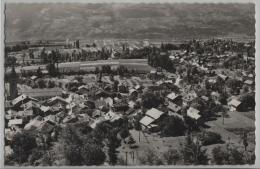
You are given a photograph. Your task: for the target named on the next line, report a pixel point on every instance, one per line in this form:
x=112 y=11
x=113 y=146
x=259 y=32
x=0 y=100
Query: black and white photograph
x=129 y=84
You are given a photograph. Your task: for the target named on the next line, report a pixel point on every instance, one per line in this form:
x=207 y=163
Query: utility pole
x=139 y=135
x=126 y=157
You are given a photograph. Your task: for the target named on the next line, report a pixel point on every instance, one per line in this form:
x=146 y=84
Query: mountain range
x=59 y=21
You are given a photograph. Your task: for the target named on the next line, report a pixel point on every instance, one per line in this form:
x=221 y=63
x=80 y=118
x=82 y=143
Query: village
x=138 y=103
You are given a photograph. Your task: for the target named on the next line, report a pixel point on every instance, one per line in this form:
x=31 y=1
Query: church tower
x=13 y=84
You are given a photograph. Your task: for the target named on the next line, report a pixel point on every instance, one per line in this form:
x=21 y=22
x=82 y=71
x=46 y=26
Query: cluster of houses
x=42 y=110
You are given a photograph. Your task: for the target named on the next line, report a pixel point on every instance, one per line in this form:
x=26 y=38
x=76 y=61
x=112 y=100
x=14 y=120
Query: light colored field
x=151 y=141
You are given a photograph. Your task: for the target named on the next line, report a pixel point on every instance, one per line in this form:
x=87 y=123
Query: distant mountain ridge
x=135 y=21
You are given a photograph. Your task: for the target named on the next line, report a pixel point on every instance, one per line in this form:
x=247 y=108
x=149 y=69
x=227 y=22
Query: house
x=34 y=123
x=15 y=122
x=94 y=123
x=83 y=89
x=51 y=118
x=8 y=105
x=212 y=81
x=174 y=98
x=71 y=106
x=193 y=113
x=234 y=105
x=90 y=104
x=169 y=81
x=42 y=94
x=250 y=76
x=188 y=98
x=70 y=119
x=173 y=108
x=45 y=109
x=146 y=121
x=205 y=98
x=112 y=117
x=83 y=117
x=30 y=105
x=138 y=87
x=120 y=106
x=46 y=127
x=9 y=134
x=97 y=114
x=133 y=93
x=11 y=113
x=109 y=101
x=102 y=93
x=129 y=111
x=215 y=96
x=248 y=82
x=20 y=100
x=131 y=104
x=34 y=77
x=57 y=100
x=25 y=113
x=223 y=77
x=160 y=82
x=8 y=151
x=151 y=116
x=122 y=88
x=153 y=72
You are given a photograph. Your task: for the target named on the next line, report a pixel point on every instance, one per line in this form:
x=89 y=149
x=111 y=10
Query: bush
x=150 y=158
x=219 y=156
x=231 y=155
x=208 y=138
x=171 y=156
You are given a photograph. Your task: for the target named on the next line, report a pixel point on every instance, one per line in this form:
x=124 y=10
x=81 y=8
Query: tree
x=230 y=155
x=223 y=99
x=41 y=83
x=193 y=153
x=115 y=86
x=23 y=56
x=10 y=61
x=234 y=85
x=171 y=156
x=92 y=154
x=248 y=101
x=51 y=69
x=22 y=145
x=150 y=100
x=244 y=139
x=51 y=84
x=113 y=143
x=79 y=149
x=73 y=154
x=39 y=72
x=173 y=126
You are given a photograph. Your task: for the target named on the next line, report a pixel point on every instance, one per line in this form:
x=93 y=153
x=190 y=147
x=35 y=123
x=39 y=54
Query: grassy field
x=233 y=128
x=230 y=131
